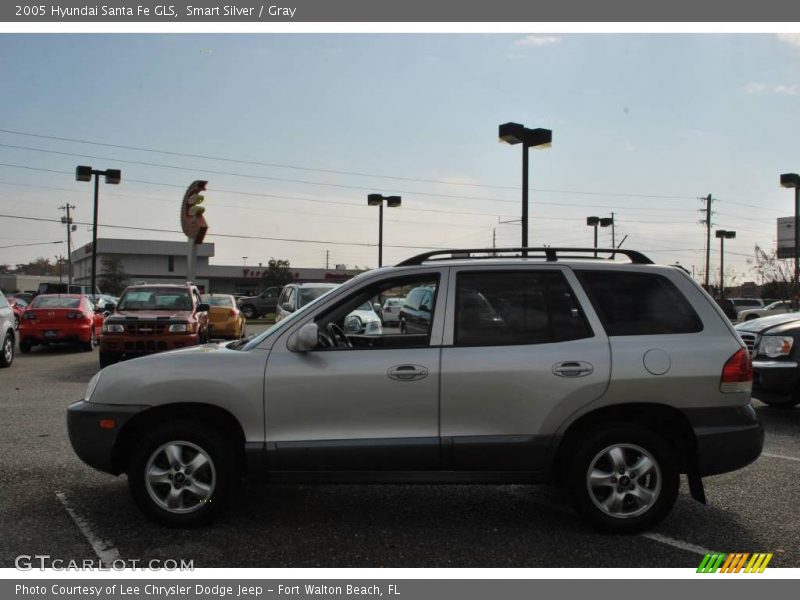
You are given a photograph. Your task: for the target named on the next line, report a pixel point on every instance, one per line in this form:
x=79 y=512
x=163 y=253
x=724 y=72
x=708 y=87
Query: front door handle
x=572 y=368
x=407 y=373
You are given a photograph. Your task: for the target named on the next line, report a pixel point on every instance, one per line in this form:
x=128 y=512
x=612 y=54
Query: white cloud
x=790 y=38
x=787 y=90
x=755 y=88
x=537 y=40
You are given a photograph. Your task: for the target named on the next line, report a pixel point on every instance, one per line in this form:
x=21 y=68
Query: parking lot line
x=782 y=456
x=104 y=550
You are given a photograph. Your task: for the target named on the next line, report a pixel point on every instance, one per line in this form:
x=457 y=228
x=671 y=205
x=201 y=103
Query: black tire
x=664 y=480
x=249 y=311
x=7 y=351
x=223 y=472
x=108 y=358
x=25 y=346
x=89 y=346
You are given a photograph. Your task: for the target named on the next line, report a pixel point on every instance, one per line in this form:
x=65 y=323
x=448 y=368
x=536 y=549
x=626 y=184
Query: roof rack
x=549 y=254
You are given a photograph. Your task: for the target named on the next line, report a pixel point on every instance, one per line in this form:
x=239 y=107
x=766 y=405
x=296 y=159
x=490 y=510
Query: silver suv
x=611 y=378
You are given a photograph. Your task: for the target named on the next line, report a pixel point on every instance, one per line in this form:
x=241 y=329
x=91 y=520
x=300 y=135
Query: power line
x=37 y=244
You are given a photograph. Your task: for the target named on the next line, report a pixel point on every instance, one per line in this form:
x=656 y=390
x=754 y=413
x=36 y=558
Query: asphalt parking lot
x=53 y=504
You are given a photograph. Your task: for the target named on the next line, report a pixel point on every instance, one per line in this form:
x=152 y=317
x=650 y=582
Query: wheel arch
x=208 y=414
x=666 y=420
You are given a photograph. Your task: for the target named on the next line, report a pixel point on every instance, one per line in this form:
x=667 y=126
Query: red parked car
x=59 y=318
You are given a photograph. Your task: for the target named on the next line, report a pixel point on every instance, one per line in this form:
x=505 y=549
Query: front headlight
x=774 y=346
x=91 y=387
x=179 y=328
x=113 y=328
x=374 y=327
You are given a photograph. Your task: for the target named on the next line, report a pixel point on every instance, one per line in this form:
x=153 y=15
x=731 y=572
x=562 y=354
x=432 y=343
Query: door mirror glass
x=352 y=324
x=377 y=307
x=304 y=340
x=287 y=306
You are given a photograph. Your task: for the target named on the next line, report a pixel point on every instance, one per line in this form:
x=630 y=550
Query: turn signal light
x=737 y=374
x=107 y=423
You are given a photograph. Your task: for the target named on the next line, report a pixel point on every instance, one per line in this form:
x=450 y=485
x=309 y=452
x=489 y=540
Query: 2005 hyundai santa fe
x=610 y=377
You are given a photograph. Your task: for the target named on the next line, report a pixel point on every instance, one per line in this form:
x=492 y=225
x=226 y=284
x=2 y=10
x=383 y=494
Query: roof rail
x=549 y=254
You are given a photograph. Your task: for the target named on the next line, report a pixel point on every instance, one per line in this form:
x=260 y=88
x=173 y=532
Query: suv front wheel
x=624 y=479
x=182 y=474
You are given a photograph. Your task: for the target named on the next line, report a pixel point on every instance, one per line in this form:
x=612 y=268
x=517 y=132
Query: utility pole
x=327 y=259
x=68 y=222
x=613 y=231
x=707 y=224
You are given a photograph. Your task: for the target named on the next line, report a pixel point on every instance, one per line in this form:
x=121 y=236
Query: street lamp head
x=113 y=176
x=606 y=221
x=728 y=235
x=515 y=133
x=393 y=201
x=83 y=173
x=790 y=180
x=374 y=199
x=592 y=221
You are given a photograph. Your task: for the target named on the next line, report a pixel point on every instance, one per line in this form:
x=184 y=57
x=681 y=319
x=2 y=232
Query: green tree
x=40 y=266
x=776 y=274
x=113 y=279
x=277 y=273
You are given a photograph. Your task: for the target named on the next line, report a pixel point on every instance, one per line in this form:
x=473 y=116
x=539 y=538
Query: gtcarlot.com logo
x=41 y=562
x=739 y=562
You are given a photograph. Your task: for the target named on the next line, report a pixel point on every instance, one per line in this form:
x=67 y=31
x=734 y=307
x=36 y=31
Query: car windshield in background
x=55 y=302
x=309 y=294
x=155 y=299
x=226 y=301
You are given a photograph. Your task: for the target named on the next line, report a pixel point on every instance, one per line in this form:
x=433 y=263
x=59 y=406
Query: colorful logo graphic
x=719 y=562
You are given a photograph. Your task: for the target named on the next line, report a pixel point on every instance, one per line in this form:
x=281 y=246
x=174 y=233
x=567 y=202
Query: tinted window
x=218 y=300
x=520 y=307
x=55 y=302
x=631 y=303
x=412 y=301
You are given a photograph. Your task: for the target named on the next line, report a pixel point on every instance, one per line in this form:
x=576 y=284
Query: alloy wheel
x=180 y=477
x=624 y=480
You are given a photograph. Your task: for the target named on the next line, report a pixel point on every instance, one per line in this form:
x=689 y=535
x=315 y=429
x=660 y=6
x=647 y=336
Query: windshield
x=55 y=302
x=155 y=299
x=308 y=294
x=218 y=300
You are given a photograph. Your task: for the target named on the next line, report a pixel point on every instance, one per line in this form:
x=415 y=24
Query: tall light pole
x=113 y=176
x=609 y=222
x=70 y=228
x=594 y=222
x=792 y=180
x=377 y=200
x=514 y=133
x=723 y=235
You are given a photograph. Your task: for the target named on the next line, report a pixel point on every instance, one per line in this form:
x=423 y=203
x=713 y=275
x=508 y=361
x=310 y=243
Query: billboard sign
x=785 y=237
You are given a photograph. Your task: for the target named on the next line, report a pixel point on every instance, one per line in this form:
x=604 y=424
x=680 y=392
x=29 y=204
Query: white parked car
x=776 y=308
x=391 y=310
x=363 y=320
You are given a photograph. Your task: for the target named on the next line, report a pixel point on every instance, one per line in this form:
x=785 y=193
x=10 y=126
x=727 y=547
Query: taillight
x=77 y=315
x=737 y=374
x=232 y=313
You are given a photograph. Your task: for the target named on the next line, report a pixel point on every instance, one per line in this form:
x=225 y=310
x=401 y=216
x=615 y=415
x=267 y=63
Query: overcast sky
x=642 y=125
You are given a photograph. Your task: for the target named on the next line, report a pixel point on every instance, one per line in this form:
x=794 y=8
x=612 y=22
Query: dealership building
x=158 y=261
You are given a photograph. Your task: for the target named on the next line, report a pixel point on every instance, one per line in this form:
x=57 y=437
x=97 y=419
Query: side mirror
x=203 y=307
x=304 y=340
x=352 y=324
x=110 y=307
x=287 y=306
x=377 y=307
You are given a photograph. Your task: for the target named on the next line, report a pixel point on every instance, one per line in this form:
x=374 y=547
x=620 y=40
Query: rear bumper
x=93 y=444
x=37 y=334
x=774 y=380
x=728 y=438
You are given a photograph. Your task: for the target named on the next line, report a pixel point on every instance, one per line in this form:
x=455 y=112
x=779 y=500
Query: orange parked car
x=224 y=317
x=59 y=318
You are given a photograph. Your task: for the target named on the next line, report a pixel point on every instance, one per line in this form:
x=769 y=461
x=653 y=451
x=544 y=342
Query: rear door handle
x=572 y=368
x=407 y=372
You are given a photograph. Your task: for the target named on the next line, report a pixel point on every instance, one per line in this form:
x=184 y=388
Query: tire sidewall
x=7 y=340
x=587 y=449
x=213 y=443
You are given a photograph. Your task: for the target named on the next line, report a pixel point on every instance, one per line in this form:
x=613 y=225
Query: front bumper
x=775 y=380
x=120 y=343
x=93 y=444
x=728 y=438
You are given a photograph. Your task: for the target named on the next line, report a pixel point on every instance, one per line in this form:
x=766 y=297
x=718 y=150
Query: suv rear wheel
x=623 y=479
x=182 y=474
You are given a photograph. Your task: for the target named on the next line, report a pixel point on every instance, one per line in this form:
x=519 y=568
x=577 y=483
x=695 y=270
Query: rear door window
x=516 y=307
x=635 y=303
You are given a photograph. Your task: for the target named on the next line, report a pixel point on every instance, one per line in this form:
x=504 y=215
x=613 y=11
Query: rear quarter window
x=635 y=303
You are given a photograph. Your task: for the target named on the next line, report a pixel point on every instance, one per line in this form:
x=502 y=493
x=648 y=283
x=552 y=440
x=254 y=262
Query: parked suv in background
x=7 y=337
x=153 y=318
x=774 y=344
x=261 y=304
x=610 y=378
x=415 y=314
